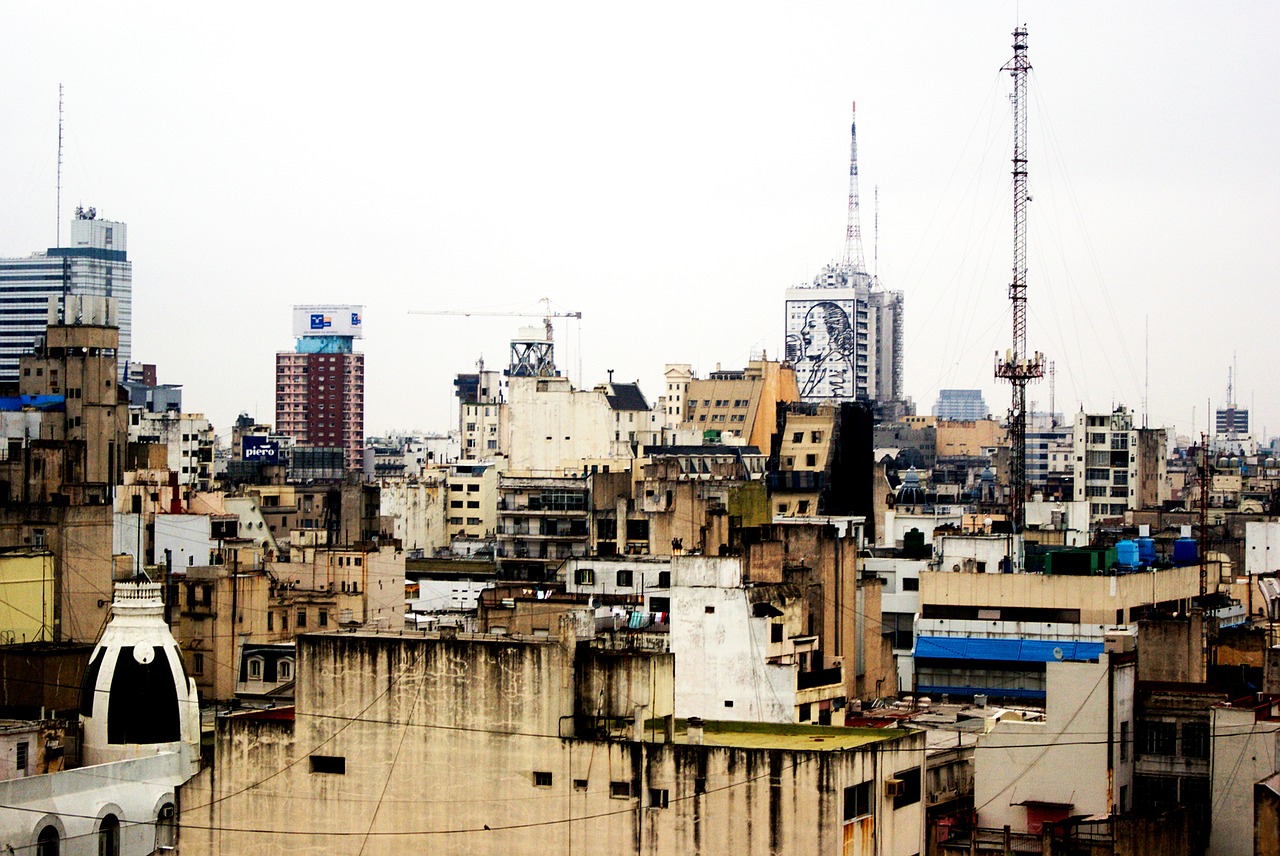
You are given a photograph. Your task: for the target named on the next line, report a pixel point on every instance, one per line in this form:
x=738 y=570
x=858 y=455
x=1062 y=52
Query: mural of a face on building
x=823 y=352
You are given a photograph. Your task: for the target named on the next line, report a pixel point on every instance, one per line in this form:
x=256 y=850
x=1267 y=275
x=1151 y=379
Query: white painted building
x=1245 y=745
x=188 y=539
x=899 y=608
x=141 y=727
x=552 y=428
x=721 y=648
x=189 y=438
x=1261 y=547
x=1020 y=768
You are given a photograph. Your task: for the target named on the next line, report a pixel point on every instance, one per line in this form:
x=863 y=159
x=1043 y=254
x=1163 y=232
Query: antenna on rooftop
x=853 y=260
x=57 y=242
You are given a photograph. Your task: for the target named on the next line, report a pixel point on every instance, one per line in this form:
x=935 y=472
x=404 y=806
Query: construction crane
x=528 y=358
x=546 y=315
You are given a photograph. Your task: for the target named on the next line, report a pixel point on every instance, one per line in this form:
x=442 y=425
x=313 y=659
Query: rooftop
x=765 y=735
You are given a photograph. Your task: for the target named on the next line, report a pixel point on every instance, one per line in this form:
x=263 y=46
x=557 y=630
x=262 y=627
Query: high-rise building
x=844 y=332
x=960 y=405
x=320 y=384
x=844 y=337
x=94 y=264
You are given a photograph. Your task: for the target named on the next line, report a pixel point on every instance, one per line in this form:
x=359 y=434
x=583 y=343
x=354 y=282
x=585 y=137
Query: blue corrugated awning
x=1017 y=650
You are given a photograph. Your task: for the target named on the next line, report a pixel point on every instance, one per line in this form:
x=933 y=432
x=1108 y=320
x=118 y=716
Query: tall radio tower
x=853 y=261
x=1019 y=367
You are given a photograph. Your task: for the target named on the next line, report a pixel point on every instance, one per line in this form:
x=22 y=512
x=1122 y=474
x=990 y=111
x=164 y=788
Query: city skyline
x=486 y=163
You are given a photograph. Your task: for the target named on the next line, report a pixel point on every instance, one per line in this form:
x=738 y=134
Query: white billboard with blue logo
x=328 y=321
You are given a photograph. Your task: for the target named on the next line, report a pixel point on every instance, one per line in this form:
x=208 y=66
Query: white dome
x=136 y=699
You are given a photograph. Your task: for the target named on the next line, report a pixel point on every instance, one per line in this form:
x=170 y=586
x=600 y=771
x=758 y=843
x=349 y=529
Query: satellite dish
x=1057 y=653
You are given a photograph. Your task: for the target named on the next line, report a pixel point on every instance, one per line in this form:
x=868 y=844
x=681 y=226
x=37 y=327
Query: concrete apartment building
x=94 y=263
x=1118 y=467
x=844 y=337
x=320 y=384
x=983 y=632
x=739 y=404
x=589 y=759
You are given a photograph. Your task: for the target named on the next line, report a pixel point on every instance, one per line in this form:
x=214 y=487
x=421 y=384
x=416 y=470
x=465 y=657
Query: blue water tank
x=1127 y=553
x=1146 y=552
x=1185 y=552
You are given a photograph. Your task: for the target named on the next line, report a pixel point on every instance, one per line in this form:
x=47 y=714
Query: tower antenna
x=853 y=260
x=57 y=242
x=1053 y=410
x=1019 y=367
x=875 y=240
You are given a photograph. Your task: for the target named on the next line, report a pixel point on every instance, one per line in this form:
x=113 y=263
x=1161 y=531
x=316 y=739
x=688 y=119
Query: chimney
x=693 y=730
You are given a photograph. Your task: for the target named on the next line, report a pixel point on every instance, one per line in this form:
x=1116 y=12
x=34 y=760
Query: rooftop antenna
x=1053 y=409
x=853 y=261
x=875 y=242
x=1146 y=368
x=1019 y=367
x=58 y=207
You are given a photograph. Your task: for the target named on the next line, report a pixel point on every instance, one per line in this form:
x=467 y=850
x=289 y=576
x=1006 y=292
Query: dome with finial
x=910 y=492
x=136 y=699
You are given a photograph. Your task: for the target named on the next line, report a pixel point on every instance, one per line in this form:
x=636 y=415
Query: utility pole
x=1019 y=367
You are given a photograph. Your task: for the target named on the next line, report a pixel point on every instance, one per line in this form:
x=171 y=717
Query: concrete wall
x=1097 y=598
x=187 y=537
x=27 y=597
x=1261 y=547
x=552 y=427
x=1019 y=762
x=1244 y=741
x=441 y=740
x=720 y=648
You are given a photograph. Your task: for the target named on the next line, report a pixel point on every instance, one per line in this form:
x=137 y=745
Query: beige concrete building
x=507 y=746
x=969 y=439
x=740 y=403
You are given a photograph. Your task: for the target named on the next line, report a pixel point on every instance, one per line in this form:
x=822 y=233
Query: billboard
x=328 y=321
x=260 y=450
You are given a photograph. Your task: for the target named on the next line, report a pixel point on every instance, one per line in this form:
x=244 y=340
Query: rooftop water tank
x=1185 y=552
x=1127 y=553
x=1146 y=552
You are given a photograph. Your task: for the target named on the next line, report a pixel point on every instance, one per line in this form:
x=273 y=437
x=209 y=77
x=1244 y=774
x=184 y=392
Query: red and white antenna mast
x=1019 y=367
x=853 y=261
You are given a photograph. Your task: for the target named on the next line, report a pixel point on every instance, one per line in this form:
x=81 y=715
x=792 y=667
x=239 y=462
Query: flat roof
x=765 y=735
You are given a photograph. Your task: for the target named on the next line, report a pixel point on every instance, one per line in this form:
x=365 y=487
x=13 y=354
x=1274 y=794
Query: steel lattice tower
x=1019 y=367
x=853 y=260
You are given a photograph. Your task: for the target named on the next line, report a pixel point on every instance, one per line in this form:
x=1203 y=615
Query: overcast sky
x=667 y=169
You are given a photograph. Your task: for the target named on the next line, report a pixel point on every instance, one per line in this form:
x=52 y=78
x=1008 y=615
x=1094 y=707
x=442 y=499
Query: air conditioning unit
x=894 y=787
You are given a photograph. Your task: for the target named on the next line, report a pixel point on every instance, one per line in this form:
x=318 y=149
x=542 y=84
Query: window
x=857 y=801
x=541 y=779
x=284 y=620
x=1159 y=738
x=1195 y=740
x=805 y=713
x=810 y=460
x=47 y=843
x=579 y=784
x=775 y=632
x=664 y=579
x=323 y=619
x=797 y=437
x=1124 y=740
x=657 y=797
x=815 y=436
x=659 y=604
x=620 y=790
x=166 y=828
x=911 y=584
x=302 y=618
x=624 y=579
x=22 y=756
x=109 y=836
x=285 y=670
x=710 y=610
x=910 y=788
x=728 y=702
x=586 y=577
x=197 y=663
x=336 y=764
x=255 y=669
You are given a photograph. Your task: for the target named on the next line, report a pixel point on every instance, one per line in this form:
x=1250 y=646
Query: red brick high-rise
x=320 y=384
